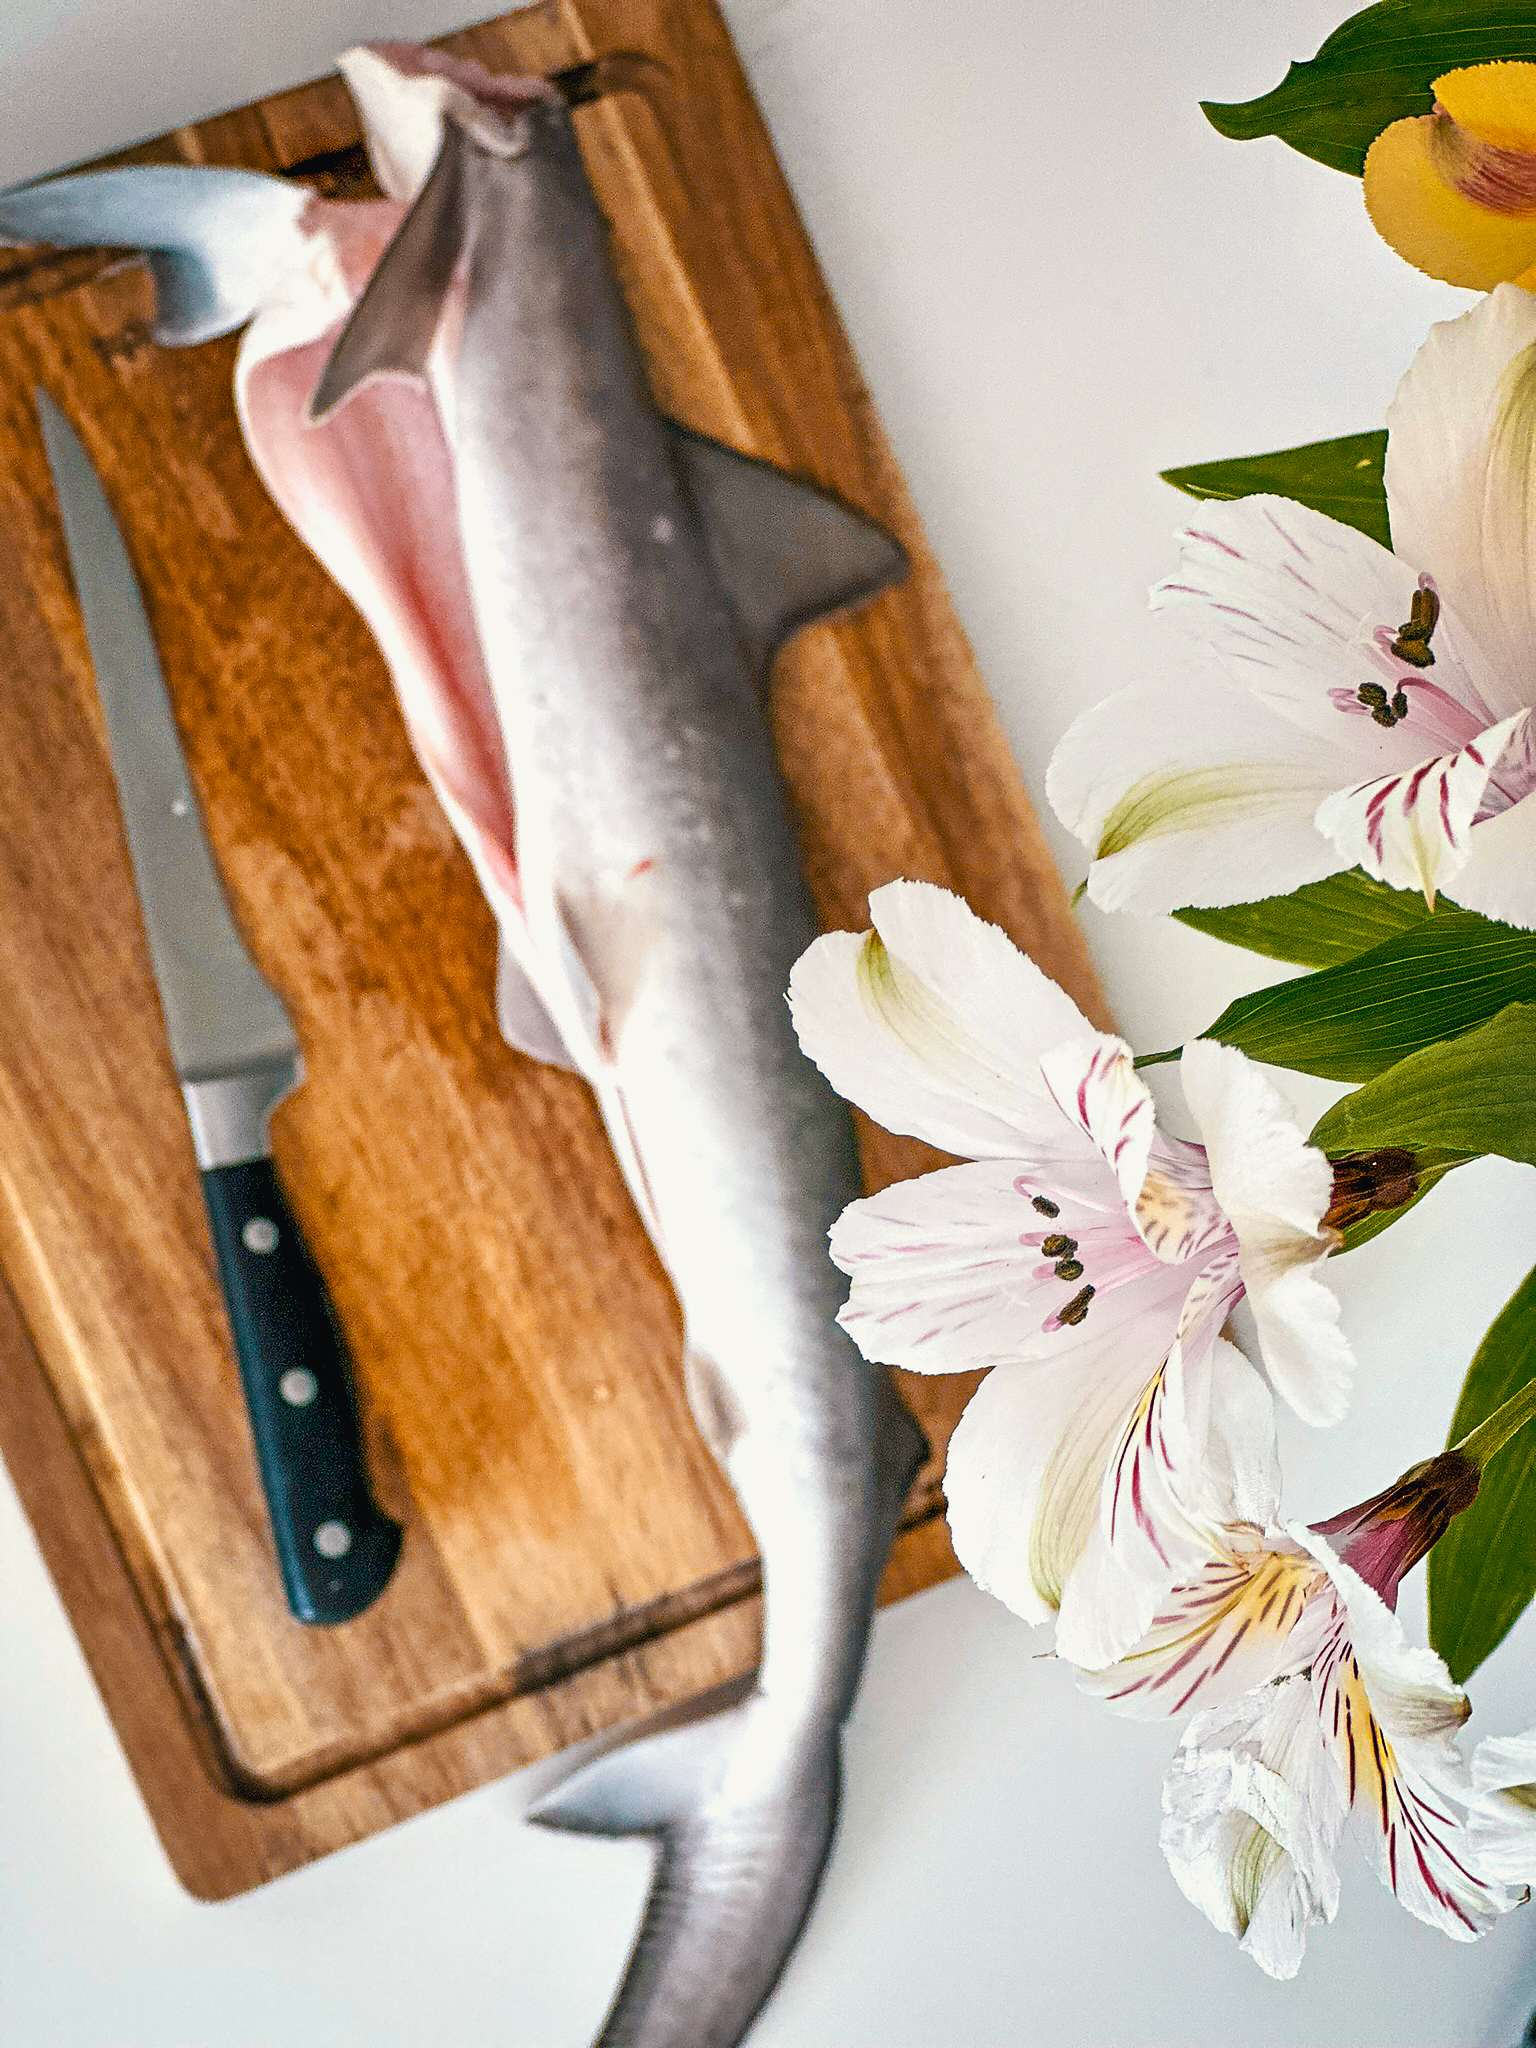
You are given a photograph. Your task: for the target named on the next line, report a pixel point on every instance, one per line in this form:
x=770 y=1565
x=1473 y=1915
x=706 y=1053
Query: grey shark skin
x=631 y=583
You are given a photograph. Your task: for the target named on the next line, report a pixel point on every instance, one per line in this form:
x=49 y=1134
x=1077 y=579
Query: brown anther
x=1058 y=1247
x=1374 y=698
x=1371 y=1184
x=1413 y=637
x=1077 y=1307
x=1069 y=1269
x=1045 y=1205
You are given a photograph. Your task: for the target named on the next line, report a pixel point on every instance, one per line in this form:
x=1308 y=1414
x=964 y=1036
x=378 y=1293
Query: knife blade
x=236 y=1056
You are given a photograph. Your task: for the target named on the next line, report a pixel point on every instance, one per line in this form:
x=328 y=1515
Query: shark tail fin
x=391 y=329
x=217 y=240
x=743 y=1806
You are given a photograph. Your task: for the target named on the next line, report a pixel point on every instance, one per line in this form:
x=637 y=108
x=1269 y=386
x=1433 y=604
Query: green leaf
x=1482 y=1572
x=1434 y=981
x=1342 y=478
x=1378 y=68
x=1448 y=1104
x=1318 y=925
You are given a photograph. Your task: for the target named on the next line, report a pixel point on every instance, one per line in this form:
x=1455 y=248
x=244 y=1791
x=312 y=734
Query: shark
x=580 y=602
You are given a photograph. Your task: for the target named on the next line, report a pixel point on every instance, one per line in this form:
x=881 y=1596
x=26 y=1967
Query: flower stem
x=1492 y=1435
x=1157 y=1059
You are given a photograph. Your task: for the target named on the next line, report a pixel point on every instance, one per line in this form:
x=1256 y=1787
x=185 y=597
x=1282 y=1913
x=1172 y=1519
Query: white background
x=1059 y=279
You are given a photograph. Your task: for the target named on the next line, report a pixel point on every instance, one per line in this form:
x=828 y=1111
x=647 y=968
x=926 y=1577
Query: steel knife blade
x=236 y=1056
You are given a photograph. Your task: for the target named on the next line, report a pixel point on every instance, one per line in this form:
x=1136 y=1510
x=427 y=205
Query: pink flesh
x=371 y=493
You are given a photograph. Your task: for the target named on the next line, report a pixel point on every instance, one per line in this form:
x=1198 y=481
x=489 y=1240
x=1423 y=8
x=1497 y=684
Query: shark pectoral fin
x=391 y=329
x=525 y=1023
x=645 y=1787
x=786 y=552
x=217 y=240
x=713 y=1404
x=900 y=1448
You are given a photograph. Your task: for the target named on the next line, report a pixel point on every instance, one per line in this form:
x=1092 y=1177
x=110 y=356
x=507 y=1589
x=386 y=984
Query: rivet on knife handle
x=335 y=1547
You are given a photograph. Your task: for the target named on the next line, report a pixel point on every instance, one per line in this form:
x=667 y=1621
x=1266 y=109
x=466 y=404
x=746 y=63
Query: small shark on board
x=580 y=602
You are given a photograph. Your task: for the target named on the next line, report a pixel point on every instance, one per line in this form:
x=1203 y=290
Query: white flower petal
x=1303 y=610
x=1252 y=1811
x=1459 y=481
x=1192 y=794
x=1240 y=1596
x=1160 y=1514
x=1096 y=1087
x=1390 y=1714
x=950 y=1272
x=1026 y=1471
x=1239 y=1462
x=1164 y=1183
x=1504 y=1815
x=1505 y=1762
x=1274 y=1188
x=934 y=1023
x=1499 y=878
x=1412 y=828
x=1234 y=1625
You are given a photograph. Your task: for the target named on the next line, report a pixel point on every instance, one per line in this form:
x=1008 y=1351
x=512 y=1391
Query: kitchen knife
x=236 y=1056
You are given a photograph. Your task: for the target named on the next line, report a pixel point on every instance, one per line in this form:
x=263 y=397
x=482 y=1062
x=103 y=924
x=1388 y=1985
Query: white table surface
x=1058 y=279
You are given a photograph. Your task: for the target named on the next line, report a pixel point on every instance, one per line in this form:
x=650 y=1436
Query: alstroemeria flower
x=1454 y=190
x=1317 y=1711
x=1335 y=703
x=1085 y=1256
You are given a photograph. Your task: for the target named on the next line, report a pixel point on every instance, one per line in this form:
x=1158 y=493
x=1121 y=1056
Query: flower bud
x=1369 y=1184
x=1384 y=1538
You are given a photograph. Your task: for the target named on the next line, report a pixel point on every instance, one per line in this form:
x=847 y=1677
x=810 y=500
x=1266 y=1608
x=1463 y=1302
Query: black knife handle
x=334 y=1545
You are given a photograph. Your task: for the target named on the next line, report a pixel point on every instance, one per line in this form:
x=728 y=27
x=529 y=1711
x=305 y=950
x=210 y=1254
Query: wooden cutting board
x=573 y=1557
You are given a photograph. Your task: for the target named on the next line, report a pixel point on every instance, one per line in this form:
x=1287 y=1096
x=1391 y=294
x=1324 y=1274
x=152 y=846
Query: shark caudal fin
x=742 y=1807
x=216 y=240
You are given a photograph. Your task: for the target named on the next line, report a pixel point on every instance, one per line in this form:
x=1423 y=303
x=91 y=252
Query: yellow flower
x=1454 y=191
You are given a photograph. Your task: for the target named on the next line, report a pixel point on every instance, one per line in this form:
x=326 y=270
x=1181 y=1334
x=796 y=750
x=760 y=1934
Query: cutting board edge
x=220 y=1844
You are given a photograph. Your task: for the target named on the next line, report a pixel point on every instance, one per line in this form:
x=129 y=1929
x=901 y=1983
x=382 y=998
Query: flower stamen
x=1386 y=711
x=1077 y=1307
x=1045 y=1205
x=1413 y=637
x=1069 y=1269
x=1056 y=1246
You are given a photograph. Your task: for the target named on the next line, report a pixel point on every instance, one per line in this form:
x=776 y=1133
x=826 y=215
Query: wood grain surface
x=573 y=1557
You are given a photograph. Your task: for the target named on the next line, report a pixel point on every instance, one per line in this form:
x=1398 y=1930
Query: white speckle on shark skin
x=662 y=529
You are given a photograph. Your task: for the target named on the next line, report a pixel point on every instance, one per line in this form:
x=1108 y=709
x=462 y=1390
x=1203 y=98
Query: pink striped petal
x=1412 y=829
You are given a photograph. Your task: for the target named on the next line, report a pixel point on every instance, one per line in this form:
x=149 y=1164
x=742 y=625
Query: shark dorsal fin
x=786 y=552
x=391 y=329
